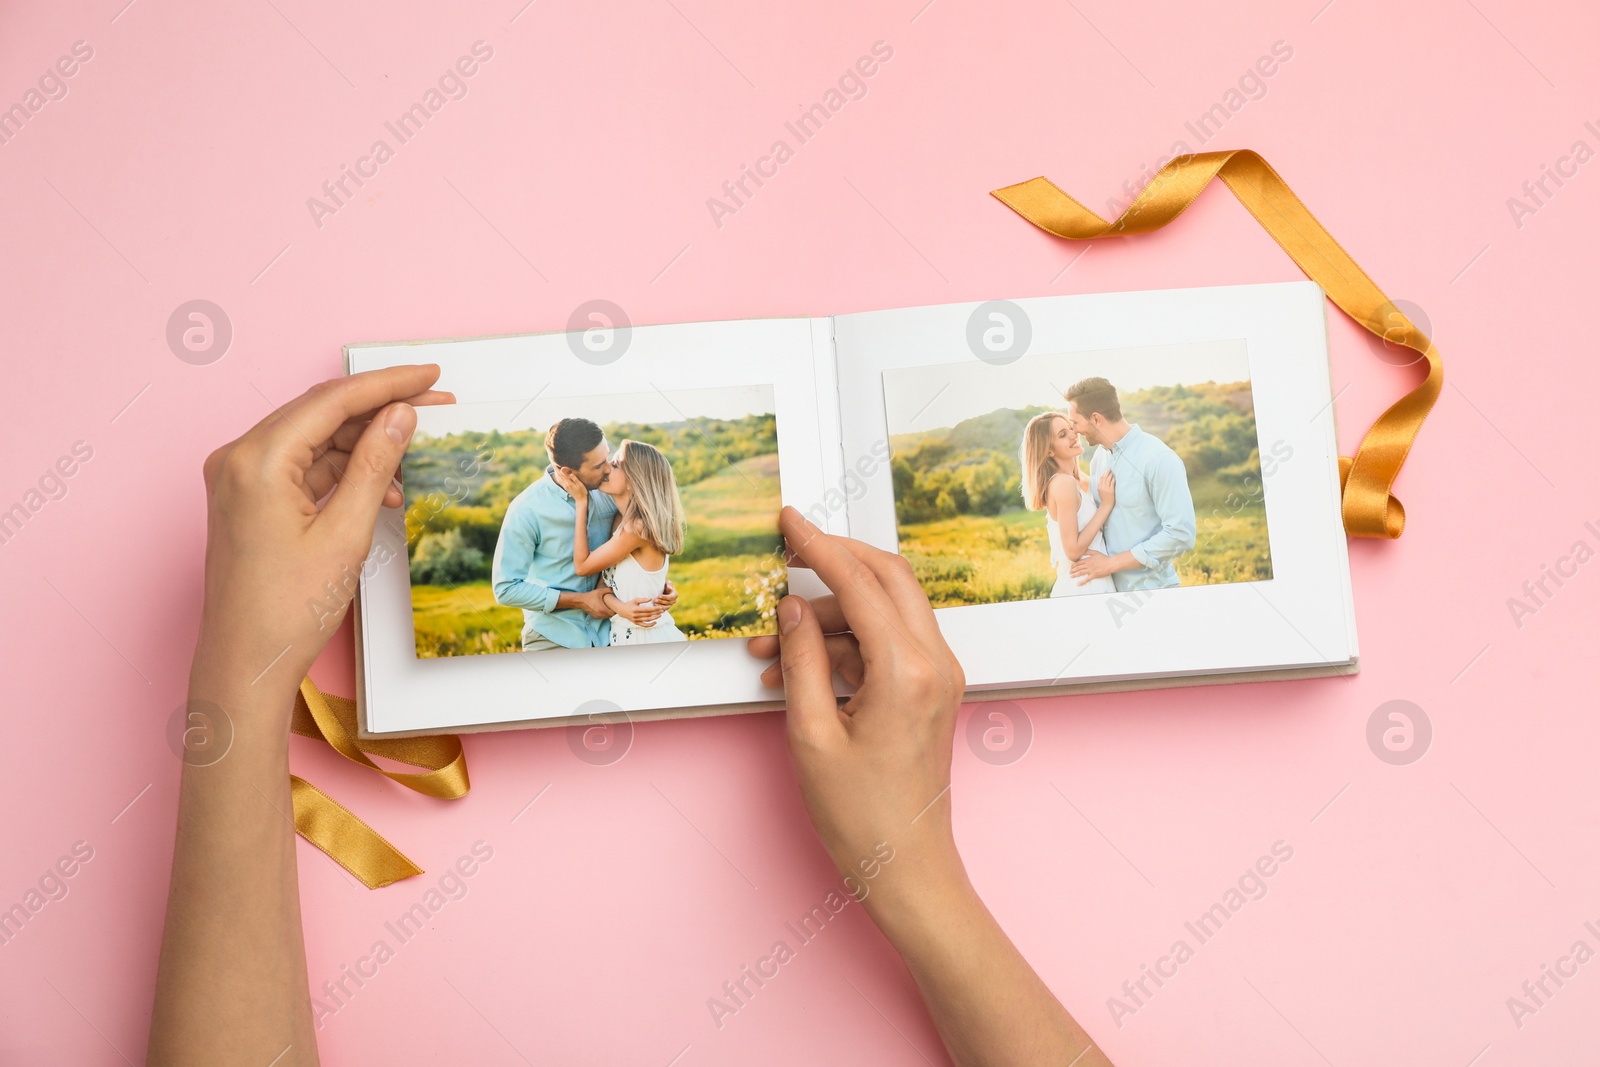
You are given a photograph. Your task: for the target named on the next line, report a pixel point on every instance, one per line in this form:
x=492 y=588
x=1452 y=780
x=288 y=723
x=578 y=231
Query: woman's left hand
x=280 y=569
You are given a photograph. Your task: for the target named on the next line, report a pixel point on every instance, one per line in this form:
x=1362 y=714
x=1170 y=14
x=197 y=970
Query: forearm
x=1164 y=547
x=231 y=986
x=1122 y=561
x=528 y=594
x=1097 y=522
x=573 y=600
x=1085 y=537
x=989 y=1006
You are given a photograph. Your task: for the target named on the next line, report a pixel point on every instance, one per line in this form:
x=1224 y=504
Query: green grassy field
x=1000 y=558
x=729 y=575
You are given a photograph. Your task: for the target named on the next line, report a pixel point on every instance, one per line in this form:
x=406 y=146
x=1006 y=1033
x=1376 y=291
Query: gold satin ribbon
x=329 y=825
x=1369 y=505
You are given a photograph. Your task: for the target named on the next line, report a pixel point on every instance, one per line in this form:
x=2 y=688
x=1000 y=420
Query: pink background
x=1419 y=898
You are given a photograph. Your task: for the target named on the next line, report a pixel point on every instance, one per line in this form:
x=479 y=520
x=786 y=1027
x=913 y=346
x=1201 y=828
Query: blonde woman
x=646 y=533
x=1052 y=482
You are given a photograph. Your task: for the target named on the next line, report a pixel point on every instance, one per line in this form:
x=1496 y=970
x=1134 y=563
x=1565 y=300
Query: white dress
x=630 y=581
x=1066 y=584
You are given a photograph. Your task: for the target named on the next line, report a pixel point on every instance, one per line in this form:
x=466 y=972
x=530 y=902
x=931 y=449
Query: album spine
x=830 y=415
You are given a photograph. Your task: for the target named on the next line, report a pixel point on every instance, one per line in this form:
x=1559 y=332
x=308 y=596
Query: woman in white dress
x=1053 y=482
x=647 y=531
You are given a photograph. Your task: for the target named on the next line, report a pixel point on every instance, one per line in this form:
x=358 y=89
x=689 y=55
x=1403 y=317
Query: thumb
x=807 y=673
x=371 y=469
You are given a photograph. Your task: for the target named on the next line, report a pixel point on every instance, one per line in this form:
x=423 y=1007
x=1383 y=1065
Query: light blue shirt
x=533 y=563
x=1153 y=515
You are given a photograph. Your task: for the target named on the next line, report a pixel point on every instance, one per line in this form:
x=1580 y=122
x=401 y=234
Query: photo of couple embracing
x=624 y=503
x=594 y=522
x=1120 y=525
x=1056 y=476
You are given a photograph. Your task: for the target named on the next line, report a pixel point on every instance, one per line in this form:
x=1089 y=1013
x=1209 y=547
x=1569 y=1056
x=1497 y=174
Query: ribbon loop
x=332 y=827
x=1367 y=478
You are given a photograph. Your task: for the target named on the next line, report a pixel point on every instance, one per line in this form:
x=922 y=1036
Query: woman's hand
x=875 y=776
x=290 y=509
x=1108 y=489
x=875 y=772
x=568 y=480
x=642 y=612
x=283 y=556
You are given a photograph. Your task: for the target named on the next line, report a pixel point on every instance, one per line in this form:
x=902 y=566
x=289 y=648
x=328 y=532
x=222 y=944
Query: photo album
x=1108 y=491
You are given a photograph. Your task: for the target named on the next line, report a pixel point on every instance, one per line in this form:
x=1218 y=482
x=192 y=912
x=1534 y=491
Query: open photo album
x=1118 y=490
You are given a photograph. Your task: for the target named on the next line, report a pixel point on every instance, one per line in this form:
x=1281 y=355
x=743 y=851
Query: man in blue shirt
x=1152 y=520
x=533 y=559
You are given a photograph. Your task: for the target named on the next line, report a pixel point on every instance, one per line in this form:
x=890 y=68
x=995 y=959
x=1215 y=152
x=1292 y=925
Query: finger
x=866 y=607
x=430 y=398
x=894 y=573
x=324 y=473
x=813 y=714
x=828 y=615
x=369 y=476
x=844 y=659
x=346 y=436
x=844 y=654
x=312 y=417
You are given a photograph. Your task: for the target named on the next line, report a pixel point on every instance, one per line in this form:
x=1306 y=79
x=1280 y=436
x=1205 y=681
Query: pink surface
x=1419 y=897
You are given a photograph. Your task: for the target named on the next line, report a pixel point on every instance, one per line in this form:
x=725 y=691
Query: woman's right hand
x=874 y=772
x=1108 y=489
x=875 y=776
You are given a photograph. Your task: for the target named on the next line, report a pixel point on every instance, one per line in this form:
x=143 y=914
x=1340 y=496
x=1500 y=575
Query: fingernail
x=398 y=424
x=789 y=612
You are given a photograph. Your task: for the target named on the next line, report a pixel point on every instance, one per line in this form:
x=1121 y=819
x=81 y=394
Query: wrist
x=228 y=726
x=916 y=897
x=250 y=681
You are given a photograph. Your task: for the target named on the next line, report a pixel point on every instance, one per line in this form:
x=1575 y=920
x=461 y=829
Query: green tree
x=447 y=559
